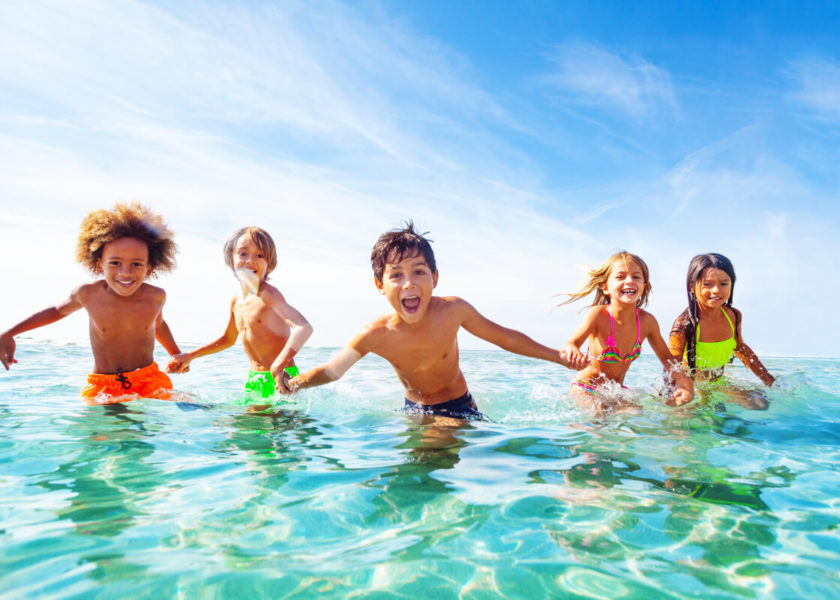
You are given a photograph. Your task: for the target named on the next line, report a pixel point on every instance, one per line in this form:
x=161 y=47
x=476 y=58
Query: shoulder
x=647 y=320
x=153 y=292
x=270 y=293
x=368 y=337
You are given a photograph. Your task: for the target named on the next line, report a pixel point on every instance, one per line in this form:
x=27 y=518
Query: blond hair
x=126 y=220
x=596 y=278
x=263 y=241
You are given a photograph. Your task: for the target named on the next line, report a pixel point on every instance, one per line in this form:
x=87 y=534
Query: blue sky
x=529 y=138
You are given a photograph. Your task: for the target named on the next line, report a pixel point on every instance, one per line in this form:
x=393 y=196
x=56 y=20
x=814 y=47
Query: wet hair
x=687 y=322
x=262 y=240
x=393 y=245
x=595 y=278
x=126 y=220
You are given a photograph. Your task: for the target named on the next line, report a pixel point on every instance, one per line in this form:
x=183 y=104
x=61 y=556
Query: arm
x=39 y=319
x=747 y=356
x=330 y=371
x=683 y=386
x=300 y=330
x=180 y=363
x=586 y=328
x=752 y=362
x=676 y=341
x=515 y=341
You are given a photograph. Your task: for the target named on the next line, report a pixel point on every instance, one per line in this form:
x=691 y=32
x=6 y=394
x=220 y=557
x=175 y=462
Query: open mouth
x=411 y=304
x=628 y=292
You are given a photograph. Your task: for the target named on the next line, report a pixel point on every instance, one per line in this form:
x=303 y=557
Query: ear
x=148 y=272
x=434 y=280
x=603 y=288
x=378 y=283
x=97 y=268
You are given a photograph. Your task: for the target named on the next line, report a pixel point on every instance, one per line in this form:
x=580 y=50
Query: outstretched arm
x=329 y=371
x=180 y=362
x=515 y=341
x=683 y=386
x=39 y=319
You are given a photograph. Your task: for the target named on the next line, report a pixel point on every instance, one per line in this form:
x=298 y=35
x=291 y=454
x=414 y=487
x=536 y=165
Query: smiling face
x=626 y=282
x=713 y=288
x=408 y=286
x=125 y=265
x=249 y=263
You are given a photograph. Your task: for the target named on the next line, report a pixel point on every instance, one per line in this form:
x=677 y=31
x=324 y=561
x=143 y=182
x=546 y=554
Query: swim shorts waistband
x=109 y=388
x=463 y=407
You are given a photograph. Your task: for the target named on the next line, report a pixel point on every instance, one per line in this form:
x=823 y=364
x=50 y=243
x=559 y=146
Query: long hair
x=688 y=321
x=595 y=278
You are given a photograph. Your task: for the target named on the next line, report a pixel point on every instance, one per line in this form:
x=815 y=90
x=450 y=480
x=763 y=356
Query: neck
x=618 y=309
x=708 y=312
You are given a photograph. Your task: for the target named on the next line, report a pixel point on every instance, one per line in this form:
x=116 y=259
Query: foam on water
x=338 y=494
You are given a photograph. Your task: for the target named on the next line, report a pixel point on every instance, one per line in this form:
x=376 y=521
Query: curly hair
x=125 y=220
x=263 y=241
x=599 y=276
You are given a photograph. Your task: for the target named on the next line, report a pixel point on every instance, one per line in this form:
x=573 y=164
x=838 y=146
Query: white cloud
x=592 y=75
x=818 y=82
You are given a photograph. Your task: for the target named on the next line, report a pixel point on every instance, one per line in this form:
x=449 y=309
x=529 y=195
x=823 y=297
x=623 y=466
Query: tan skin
x=125 y=313
x=272 y=330
x=624 y=286
x=419 y=337
x=712 y=290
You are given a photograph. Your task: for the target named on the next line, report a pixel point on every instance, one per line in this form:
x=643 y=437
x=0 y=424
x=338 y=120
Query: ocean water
x=337 y=494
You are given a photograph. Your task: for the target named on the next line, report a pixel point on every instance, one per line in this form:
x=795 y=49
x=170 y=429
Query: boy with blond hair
x=272 y=330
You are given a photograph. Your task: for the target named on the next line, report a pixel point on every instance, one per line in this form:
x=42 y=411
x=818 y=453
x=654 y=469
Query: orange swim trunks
x=148 y=382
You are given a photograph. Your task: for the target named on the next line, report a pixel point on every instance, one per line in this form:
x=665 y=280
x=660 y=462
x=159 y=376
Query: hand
x=179 y=363
x=7 y=350
x=682 y=396
x=573 y=358
x=282 y=383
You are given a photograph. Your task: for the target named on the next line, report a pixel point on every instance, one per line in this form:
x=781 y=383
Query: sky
x=530 y=139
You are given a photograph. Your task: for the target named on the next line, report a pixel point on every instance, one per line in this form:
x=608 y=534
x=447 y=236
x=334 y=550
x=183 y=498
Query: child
x=125 y=245
x=419 y=335
x=708 y=349
x=614 y=329
x=272 y=331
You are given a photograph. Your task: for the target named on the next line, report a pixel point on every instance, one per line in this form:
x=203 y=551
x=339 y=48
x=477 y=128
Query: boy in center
x=419 y=335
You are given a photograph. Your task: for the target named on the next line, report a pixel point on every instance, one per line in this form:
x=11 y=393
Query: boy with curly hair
x=125 y=246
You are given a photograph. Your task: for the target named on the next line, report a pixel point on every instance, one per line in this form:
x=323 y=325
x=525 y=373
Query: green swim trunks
x=260 y=384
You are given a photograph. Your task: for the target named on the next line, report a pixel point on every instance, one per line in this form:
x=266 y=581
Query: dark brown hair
x=393 y=245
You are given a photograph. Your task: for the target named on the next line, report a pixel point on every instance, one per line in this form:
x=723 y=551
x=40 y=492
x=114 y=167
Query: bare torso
x=122 y=328
x=424 y=354
x=264 y=333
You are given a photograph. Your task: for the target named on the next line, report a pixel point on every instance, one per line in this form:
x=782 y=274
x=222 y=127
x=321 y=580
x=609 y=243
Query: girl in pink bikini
x=614 y=328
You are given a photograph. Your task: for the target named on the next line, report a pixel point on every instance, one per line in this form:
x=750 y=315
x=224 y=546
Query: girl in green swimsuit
x=708 y=333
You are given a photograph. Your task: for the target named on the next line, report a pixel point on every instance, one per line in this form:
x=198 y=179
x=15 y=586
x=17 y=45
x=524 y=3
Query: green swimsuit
x=260 y=384
x=713 y=356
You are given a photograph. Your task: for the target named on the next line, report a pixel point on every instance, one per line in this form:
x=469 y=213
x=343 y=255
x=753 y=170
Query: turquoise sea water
x=338 y=495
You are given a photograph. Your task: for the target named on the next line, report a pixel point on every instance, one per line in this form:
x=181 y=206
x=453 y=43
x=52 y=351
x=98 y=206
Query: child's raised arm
x=180 y=362
x=683 y=386
x=513 y=340
x=39 y=319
